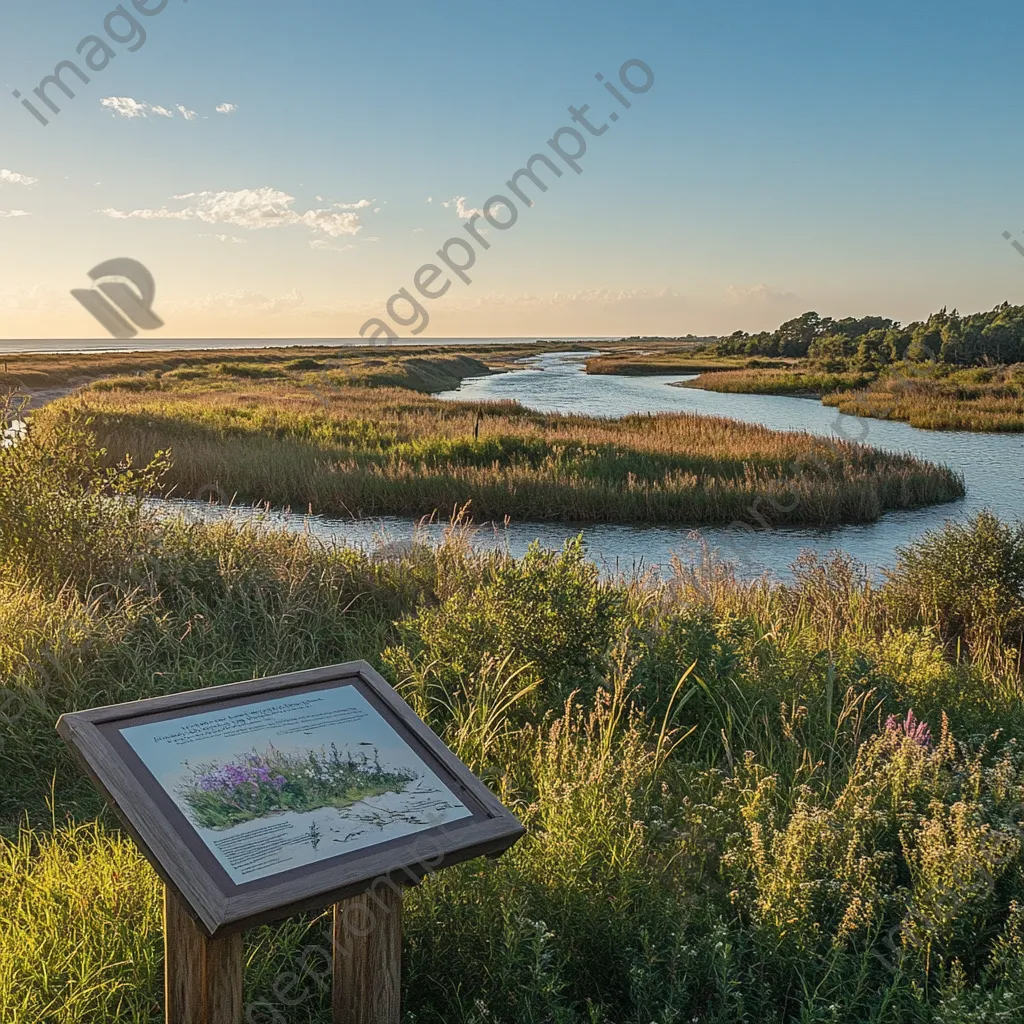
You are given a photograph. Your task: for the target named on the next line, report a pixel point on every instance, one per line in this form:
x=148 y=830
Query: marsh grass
x=930 y=396
x=325 y=442
x=720 y=824
x=802 y=382
x=659 y=361
x=943 y=398
x=405 y=363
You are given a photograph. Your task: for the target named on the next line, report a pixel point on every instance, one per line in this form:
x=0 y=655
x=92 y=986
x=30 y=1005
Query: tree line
x=870 y=342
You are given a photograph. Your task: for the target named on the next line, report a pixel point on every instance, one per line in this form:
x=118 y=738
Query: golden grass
x=317 y=440
x=978 y=399
x=798 y=382
x=22 y=371
x=652 y=362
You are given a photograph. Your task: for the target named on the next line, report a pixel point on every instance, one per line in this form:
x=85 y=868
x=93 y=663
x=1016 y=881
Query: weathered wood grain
x=368 y=957
x=202 y=976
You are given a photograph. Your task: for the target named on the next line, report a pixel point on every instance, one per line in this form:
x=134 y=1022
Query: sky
x=286 y=169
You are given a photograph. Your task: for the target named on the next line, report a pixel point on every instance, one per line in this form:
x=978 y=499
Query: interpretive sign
x=259 y=799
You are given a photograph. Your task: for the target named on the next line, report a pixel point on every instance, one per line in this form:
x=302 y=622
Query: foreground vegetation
x=324 y=440
x=745 y=802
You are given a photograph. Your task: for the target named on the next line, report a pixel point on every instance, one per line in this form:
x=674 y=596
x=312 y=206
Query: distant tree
x=832 y=351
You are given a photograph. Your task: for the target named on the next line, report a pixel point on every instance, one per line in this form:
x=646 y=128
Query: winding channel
x=990 y=463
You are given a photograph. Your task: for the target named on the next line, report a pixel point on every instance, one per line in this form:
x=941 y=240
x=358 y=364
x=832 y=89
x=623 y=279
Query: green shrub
x=967 y=579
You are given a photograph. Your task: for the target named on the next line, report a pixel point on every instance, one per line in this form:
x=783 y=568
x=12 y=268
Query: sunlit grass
x=722 y=825
x=981 y=399
x=327 y=442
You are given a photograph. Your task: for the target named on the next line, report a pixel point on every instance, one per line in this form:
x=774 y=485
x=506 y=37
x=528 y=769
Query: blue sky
x=850 y=158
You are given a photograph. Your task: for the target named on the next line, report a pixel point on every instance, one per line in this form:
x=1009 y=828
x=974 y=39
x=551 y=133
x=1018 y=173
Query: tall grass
x=410 y=366
x=726 y=821
x=660 y=360
x=944 y=398
x=804 y=382
x=321 y=443
x=929 y=396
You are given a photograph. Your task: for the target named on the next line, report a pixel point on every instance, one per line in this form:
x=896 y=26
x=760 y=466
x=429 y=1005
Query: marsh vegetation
x=732 y=813
x=354 y=442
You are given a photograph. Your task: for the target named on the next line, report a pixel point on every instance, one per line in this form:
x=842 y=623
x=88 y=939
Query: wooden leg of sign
x=368 y=957
x=202 y=976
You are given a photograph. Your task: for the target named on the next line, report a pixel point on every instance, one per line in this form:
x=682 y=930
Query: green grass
x=725 y=820
x=354 y=443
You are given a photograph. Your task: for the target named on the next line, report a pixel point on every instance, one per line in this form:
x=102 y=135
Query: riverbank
x=356 y=443
x=927 y=396
x=654 y=363
x=692 y=851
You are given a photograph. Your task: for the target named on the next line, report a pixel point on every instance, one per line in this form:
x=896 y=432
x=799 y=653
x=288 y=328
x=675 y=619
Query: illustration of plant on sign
x=257 y=785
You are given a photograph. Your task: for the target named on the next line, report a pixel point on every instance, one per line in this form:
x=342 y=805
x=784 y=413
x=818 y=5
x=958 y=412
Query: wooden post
x=202 y=976
x=368 y=957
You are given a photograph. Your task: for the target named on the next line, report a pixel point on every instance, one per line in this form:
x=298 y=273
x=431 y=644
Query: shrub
x=967 y=579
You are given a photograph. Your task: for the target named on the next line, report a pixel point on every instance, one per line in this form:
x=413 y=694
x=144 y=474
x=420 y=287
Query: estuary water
x=991 y=465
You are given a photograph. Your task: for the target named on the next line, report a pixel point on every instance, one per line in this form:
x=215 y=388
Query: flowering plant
x=911 y=729
x=254 y=785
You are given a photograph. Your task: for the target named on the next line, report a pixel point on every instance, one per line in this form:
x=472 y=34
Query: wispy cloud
x=253 y=209
x=125 y=106
x=323 y=244
x=189 y=115
x=226 y=108
x=464 y=211
x=226 y=239
x=13 y=178
x=15 y=213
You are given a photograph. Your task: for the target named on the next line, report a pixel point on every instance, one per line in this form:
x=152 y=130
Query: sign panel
x=293 y=780
x=262 y=798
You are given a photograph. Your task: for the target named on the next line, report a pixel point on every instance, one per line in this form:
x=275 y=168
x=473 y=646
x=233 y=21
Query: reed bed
x=929 y=396
x=54 y=371
x=316 y=441
x=803 y=383
x=745 y=802
x=978 y=399
x=654 y=362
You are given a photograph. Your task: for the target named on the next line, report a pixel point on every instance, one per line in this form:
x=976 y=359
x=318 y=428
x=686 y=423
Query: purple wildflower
x=911 y=729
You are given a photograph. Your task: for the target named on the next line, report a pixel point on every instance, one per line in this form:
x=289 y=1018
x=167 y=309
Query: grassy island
x=756 y=802
x=352 y=442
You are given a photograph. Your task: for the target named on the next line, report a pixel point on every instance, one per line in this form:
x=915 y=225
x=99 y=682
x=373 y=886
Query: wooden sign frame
x=180 y=856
